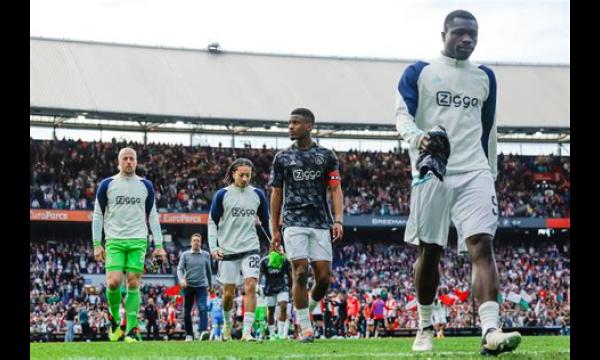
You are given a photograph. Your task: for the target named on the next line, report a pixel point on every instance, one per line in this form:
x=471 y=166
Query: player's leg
x=296 y=240
x=485 y=282
x=188 y=305
x=249 y=307
x=228 y=275
x=282 y=314
x=271 y=302
x=427 y=278
x=201 y=303
x=132 y=306
x=115 y=264
x=136 y=253
x=250 y=266
x=321 y=255
x=428 y=225
x=300 y=296
x=475 y=214
x=228 y=296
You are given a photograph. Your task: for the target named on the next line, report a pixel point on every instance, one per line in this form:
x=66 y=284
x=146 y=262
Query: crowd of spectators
x=536 y=271
x=64 y=175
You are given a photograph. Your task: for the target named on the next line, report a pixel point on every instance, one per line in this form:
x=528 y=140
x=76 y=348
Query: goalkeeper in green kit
x=123 y=204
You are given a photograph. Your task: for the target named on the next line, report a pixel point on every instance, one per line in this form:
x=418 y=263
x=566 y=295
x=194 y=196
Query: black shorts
x=318 y=317
x=391 y=319
x=378 y=322
x=239 y=318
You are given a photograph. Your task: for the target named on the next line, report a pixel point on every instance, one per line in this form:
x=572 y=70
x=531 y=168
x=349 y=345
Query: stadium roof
x=131 y=82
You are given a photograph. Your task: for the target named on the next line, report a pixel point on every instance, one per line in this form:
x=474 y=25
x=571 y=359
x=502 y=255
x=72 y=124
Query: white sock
x=271 y=330
x=280 y=325
x=248 y=320
x=312 y=304
x=227 y=317
x=424 y=315
x=286 y=328
x=304 y=319
x=489 y=313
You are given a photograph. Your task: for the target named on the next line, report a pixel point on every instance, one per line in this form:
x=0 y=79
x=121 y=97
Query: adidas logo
x=293 y=162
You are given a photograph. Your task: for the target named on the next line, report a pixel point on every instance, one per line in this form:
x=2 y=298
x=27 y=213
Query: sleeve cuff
x=97 y=243
x=158 y=245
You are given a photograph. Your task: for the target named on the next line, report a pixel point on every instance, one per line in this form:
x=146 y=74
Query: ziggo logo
x=303 y=175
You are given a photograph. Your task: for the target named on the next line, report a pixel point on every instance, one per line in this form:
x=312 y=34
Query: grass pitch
x=533 y=347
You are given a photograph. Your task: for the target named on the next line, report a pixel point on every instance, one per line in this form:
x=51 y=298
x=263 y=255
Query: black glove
x=435 y=157
x=156 y=264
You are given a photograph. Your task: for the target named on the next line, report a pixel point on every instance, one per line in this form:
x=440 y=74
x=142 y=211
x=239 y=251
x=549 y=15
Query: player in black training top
x=300 y=178
x=276 y=280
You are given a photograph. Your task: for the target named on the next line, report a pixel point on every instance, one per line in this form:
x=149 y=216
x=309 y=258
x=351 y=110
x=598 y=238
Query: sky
x=523 y=31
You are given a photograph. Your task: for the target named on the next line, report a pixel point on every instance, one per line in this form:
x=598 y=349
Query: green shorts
x=126 y=255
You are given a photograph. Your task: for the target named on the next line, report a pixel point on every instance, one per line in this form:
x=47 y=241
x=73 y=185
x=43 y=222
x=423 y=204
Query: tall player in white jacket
x=459 y=95
x=233 y=239
x=123 y=204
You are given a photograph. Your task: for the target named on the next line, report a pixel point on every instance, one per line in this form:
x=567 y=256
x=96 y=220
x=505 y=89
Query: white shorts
x=468 y=200
x=274 y=300
x=307 y=243
x=233 y=271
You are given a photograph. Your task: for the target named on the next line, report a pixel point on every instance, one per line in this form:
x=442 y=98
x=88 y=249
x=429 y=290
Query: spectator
x=151 y=315
x=71 y=313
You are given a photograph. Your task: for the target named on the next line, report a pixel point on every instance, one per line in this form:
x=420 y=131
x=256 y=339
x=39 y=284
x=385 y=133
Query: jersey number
x=253 y=263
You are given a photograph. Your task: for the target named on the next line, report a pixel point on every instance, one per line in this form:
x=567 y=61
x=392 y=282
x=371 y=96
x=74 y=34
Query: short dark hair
x=196 y=234
x=233 y=167
x=463 y=14
x=306 y=113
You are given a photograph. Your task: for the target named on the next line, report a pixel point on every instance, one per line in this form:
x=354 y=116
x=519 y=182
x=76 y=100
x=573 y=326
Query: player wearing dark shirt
x=300 y=177
x=276 y=273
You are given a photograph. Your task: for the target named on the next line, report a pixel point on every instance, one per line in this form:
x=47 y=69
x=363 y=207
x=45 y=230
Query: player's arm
x=153 y=222
x=263 y=211
x=181 y=271
x=407 y=98
x=209 y=273
x=98 y=220
x=276 y=183
x=488 y=119
x=262 y=270
x=337 y=198
x=214 y=217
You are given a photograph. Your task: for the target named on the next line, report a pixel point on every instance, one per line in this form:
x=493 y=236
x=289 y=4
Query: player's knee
x=133 y=284
x=113 y=282
x=431 y=254
x=228 y=292
x=324 y=280
x=250 y=289
x=480 y=248
x=301 y=278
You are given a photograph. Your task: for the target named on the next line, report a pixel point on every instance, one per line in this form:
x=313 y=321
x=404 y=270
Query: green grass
x=537 y=347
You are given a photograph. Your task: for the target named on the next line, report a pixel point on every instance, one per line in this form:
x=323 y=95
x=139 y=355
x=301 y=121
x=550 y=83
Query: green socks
x=114 y=302
x=132 y=308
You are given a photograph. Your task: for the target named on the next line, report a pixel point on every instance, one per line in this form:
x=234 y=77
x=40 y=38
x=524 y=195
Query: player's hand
x=183 y=283
x=425 y=143
x=338 y=232
x=99 y=253
x=217 y=254
x=276 y=242
x=159 y=253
